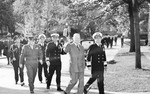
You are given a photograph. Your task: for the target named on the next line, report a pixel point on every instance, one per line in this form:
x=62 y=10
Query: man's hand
x=20 y=65
x=105 y=65
x=48 y=63
x=41 y=62
x=14 y=59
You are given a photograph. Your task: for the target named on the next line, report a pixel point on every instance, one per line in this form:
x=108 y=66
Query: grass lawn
x=123 y=77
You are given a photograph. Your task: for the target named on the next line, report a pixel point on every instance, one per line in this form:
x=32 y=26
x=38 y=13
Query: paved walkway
x=7 y=83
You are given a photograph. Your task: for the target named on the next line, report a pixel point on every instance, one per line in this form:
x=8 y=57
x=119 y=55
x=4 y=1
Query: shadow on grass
x=145 y=69
x=128 y=54
x=5 y=66
x=4 y=90
x=112 y=62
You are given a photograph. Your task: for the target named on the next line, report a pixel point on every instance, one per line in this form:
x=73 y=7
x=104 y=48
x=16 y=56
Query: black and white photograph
x=74 y=46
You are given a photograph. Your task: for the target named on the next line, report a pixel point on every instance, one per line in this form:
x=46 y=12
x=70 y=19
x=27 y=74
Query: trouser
x=111 y=44
x=8 y=59
x=52 y=69
x=75 y=77
x=107 y=44
x=40 y=67
x=31 y=73
x=100 y=81
x=0 y=52
x=16 y=67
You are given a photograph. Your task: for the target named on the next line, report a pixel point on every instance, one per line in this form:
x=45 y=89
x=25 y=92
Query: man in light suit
x=77 y=64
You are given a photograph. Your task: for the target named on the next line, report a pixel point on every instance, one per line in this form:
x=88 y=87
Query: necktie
x=78 y=47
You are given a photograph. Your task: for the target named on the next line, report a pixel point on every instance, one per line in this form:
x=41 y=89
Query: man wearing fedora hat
x=53 y=51
x=96 y=54
x=32 y=54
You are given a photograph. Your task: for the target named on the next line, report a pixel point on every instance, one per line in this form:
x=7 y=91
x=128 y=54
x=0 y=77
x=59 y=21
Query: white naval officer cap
x=41 y=36
x=55 y=35
x=97 y=34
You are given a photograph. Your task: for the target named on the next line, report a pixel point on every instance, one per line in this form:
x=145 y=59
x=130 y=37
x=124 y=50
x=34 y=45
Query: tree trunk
x=137 y=35
x=132 y=39
x=149 y=25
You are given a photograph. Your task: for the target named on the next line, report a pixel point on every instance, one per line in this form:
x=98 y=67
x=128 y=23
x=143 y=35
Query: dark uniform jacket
x=15 y=52
x=43 y=48
x=96 y=54
x=53 y=52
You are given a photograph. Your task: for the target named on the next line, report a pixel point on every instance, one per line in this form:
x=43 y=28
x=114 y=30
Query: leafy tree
x=6 y=16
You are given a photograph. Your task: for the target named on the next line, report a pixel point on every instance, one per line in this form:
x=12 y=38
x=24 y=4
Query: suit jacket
x=96 y=54
x=77 y=58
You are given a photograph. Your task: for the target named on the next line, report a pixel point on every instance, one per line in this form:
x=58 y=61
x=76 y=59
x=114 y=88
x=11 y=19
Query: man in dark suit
x=53 y=60
x=42 y=44
x=96 y=54
x=15 y=51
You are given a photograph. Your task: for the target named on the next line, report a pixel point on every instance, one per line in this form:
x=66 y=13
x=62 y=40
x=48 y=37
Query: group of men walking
x=48 y=56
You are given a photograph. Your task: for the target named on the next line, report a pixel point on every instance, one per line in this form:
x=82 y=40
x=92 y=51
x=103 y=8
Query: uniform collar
x=98 y=44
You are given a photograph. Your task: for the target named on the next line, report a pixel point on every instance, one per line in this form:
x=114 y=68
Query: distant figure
x=122 y=40
x=146 y=42
x=107 y=41
x=7 y=43
x=115 y=39
x=66 y=32
x=1 y=46
x=111 y=42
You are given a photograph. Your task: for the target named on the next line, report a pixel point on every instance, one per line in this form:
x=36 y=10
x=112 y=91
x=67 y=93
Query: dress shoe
x=85 y=91
x=59 y=89
x=47 y=87
x=31 y=92
x=65 y=92
x=22 y=83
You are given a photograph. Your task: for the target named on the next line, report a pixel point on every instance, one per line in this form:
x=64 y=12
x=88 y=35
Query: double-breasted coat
x=53 y=52
x=96 y=54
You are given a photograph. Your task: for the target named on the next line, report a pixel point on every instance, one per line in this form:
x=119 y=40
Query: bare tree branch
x=141 y=2
x=126 y=1
x=148 y=1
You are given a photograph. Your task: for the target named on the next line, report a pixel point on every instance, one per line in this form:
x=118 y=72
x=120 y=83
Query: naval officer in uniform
x=96 y=54
x=53 y=60
x=31 y=54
